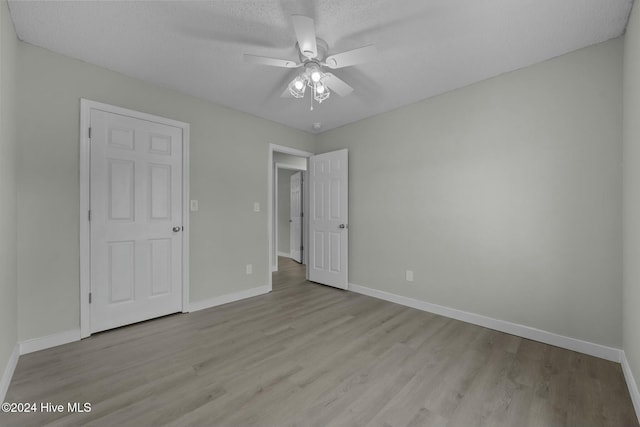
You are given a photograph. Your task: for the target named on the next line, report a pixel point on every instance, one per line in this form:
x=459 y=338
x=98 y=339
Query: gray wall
x=8 y=245
x=229 y=171
x=631 y=295
x=504 y=197
x=284 y=208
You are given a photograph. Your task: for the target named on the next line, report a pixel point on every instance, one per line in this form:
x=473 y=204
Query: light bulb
x=298 y=84
x=315 y=76
x=320 y=88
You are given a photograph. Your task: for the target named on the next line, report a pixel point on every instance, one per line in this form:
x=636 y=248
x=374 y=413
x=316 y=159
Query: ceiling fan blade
x=286 y=93
x=337 y=85
x=351 y=57
x=274 y=62
x=305 y=30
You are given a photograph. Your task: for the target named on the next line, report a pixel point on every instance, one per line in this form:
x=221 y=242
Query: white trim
x=225 y=299
x=85 y=226
x=305 y=220
x=186 y=211
x=8 y=372
x=289 y=167
x=284 y=254
x=632 y=385
x=270 y=200
x=54 y=340
x=592 y=349
x=85 y=230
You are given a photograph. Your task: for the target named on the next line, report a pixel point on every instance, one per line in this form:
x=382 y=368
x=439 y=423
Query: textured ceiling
x=425 y=47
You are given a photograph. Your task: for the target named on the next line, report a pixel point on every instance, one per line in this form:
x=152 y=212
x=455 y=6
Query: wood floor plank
x=311 y=355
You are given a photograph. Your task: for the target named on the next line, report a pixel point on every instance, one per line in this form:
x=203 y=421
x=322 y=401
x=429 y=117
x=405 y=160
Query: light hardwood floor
x=310 y=355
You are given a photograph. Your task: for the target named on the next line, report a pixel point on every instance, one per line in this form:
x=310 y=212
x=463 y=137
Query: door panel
x=136 y=200
x=336 y=252
x=328 y=225
x=120 y=196
x=160 y=266
x=160 y=191
x=317 y=243
x=295 y=219
x=121 y=271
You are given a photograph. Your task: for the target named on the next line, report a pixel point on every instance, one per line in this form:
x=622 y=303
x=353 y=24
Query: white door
x=295 y=218
x=136 y=220
x=329 y=218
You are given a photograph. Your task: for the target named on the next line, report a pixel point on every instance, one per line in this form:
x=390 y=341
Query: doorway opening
x=288 y=228
x=325 y=229
x=289 y=211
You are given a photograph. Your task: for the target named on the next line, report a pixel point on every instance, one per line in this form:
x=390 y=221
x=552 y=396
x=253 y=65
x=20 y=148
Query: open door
x=295 y=218
x=328 y=222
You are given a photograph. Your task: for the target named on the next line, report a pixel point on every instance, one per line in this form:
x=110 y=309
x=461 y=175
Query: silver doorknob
x=176 y=229
x=342 y=226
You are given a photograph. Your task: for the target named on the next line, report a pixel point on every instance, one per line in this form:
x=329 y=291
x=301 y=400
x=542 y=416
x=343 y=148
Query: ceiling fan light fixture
x=313 y=58
x=316 y=75
x=297 y=87
x=313 y=73
x=320 y=92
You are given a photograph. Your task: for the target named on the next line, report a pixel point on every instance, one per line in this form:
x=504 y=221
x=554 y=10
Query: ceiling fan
x=313 y=58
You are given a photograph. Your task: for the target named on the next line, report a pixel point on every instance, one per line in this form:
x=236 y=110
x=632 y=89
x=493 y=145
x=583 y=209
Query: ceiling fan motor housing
x=321 y=46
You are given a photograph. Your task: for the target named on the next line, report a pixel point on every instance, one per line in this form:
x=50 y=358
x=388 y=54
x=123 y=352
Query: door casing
x=85 y=231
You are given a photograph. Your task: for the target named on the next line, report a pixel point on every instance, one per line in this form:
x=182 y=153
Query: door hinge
x=89 y=297
x=89 y=215
x=89 y=133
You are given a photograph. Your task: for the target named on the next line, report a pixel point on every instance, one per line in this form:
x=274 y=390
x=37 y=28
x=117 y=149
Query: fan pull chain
x=311 y=99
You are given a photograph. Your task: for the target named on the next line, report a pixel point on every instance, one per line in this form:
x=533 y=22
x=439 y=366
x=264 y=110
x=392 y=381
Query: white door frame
x=85 y=229
x=275 y=206
x=271 y=179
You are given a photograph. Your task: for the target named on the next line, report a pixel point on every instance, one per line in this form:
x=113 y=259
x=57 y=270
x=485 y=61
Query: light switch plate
x=194 y=205
x=256 y=206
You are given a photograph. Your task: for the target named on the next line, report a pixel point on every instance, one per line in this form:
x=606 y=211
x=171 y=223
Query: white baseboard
x=631 y=384
x=54 y=340
x=225 y=299
x=284 y=254
x=8 y=372
x=597 y=350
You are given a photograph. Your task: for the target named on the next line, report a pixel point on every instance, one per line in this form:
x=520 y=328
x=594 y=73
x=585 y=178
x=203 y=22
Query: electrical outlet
x=256 y=206
x=409 y=275
x=194 y=205
x=249 y=269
